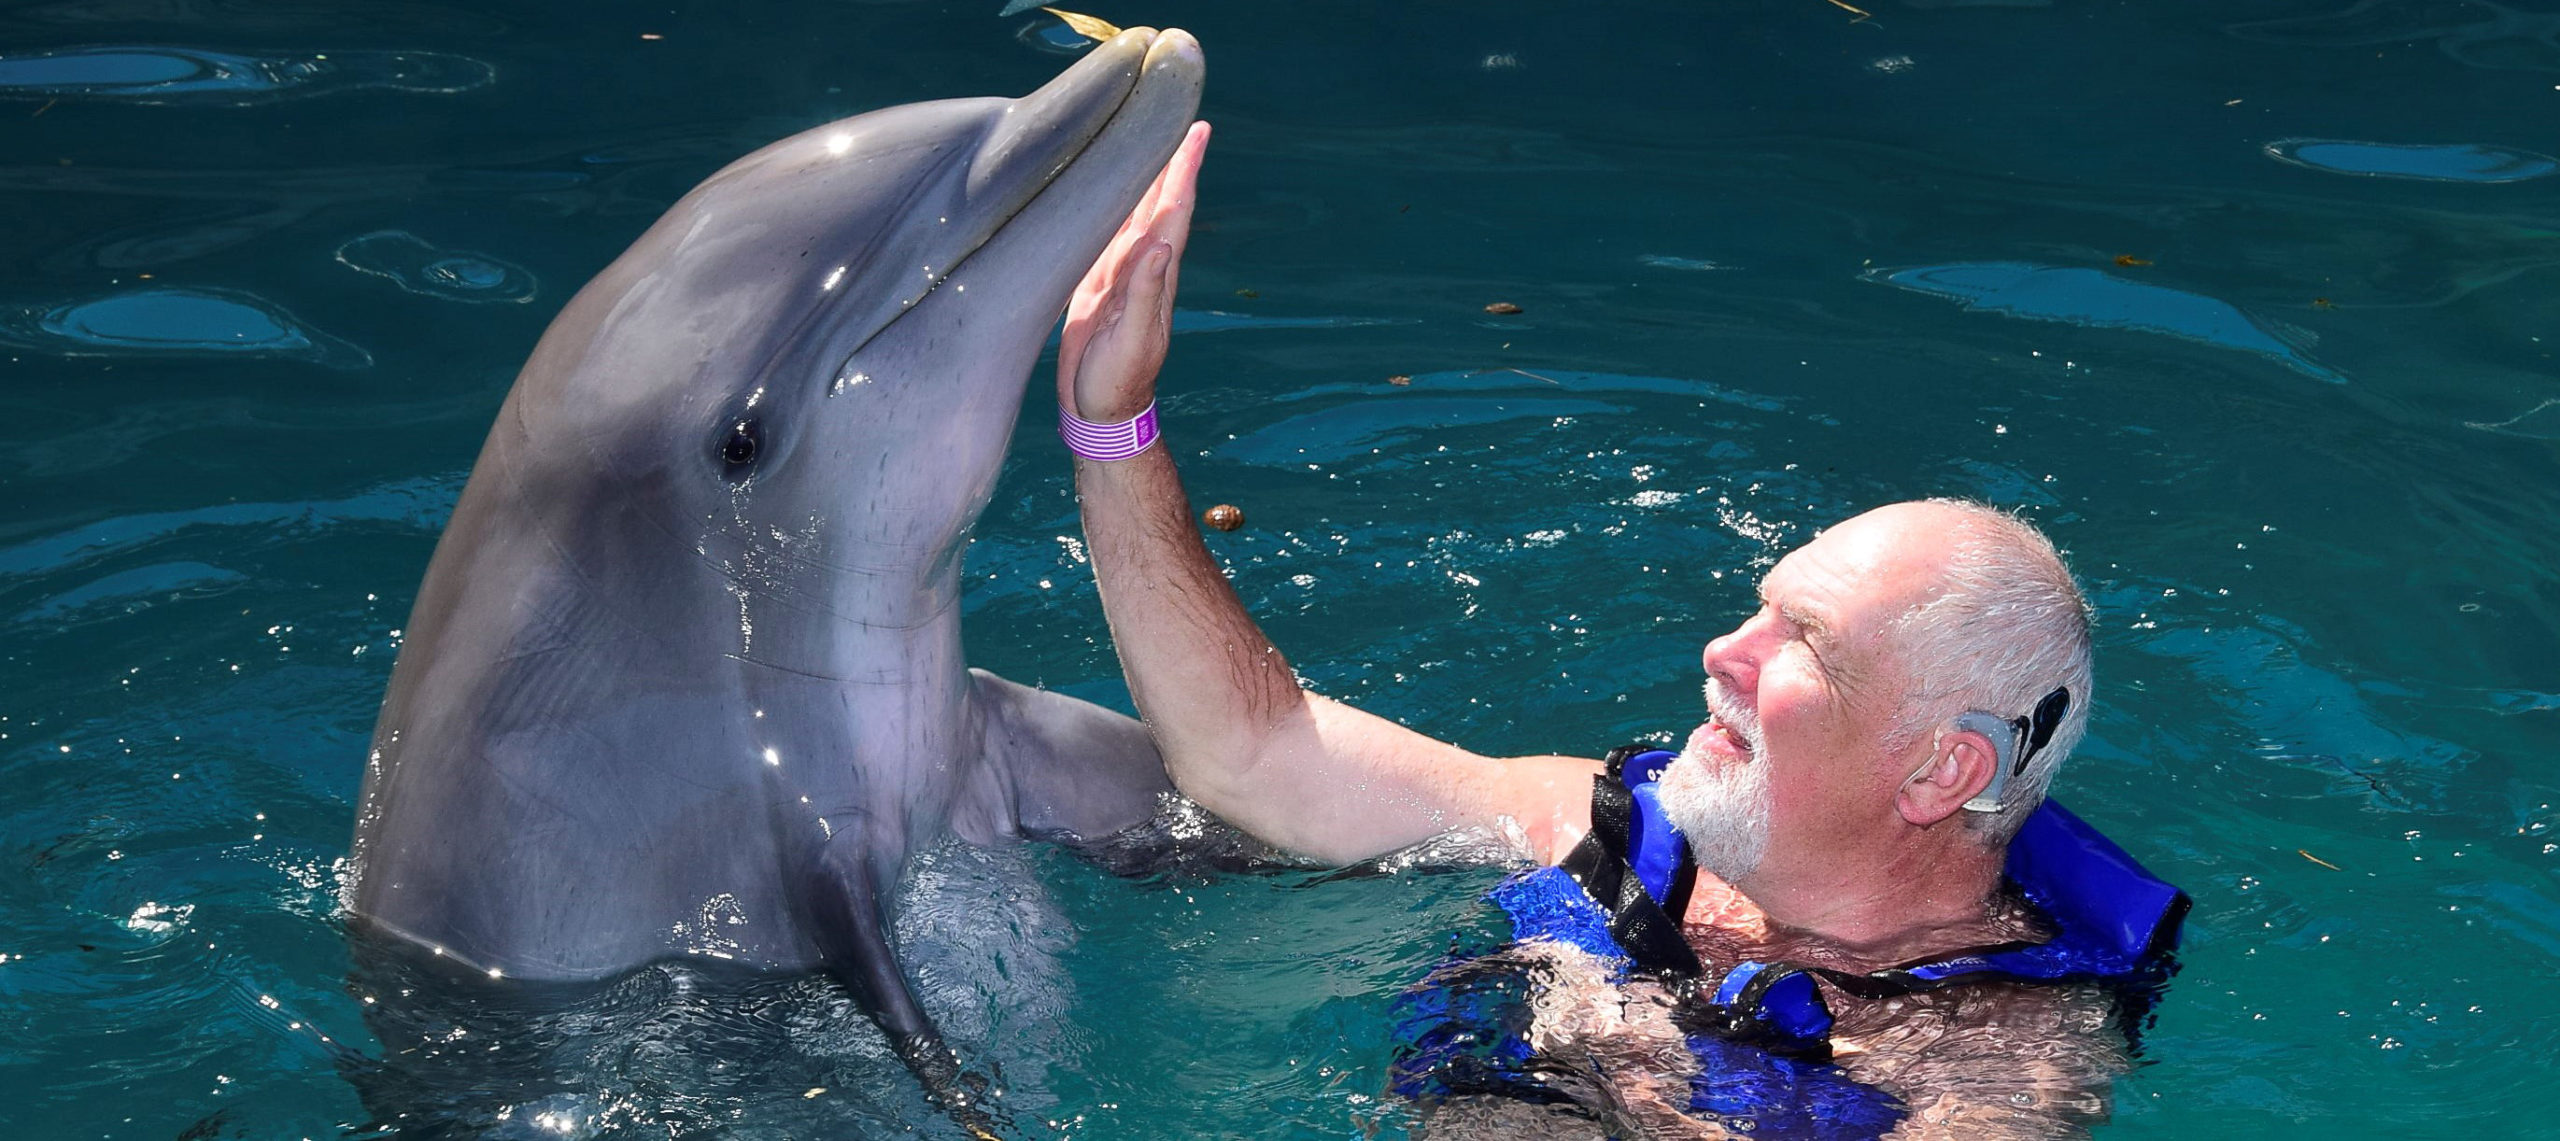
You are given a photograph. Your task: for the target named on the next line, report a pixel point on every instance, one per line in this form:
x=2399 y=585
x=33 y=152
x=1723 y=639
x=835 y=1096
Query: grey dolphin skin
x=685 y=676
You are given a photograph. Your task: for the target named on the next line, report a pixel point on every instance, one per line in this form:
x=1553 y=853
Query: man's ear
x=1958 y=769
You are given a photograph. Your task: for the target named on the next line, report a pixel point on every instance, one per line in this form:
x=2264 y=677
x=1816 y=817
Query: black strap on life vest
x=1647 y=929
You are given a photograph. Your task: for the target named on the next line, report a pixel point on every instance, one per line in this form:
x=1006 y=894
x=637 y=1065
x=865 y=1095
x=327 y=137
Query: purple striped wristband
x=1103 y=443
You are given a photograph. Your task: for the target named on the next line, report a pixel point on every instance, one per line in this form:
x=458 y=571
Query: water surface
x=239 y=398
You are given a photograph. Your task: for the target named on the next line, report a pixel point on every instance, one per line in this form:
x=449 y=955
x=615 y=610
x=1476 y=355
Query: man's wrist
x=1115 y=409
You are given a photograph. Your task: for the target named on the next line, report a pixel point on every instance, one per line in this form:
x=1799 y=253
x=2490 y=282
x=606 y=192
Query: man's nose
x=1730 y=659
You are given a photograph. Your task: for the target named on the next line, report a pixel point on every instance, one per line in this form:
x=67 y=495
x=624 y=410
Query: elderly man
x=1846 y=901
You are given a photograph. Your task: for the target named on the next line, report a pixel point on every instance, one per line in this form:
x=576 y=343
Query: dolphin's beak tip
x=1175 y=41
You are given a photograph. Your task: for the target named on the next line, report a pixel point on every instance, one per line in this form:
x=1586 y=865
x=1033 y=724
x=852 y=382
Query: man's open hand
x=1121 y=317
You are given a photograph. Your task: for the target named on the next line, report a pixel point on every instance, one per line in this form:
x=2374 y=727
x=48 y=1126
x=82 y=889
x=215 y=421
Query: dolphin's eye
x=738 y=450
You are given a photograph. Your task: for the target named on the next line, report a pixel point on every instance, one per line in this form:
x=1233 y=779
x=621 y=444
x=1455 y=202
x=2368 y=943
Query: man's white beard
x=1724 y=812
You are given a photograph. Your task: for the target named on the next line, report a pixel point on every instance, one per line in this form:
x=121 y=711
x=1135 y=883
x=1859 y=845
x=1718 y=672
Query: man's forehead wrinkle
x=1813 y=586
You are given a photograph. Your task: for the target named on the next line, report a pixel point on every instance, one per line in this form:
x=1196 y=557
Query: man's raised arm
x=1237 y=731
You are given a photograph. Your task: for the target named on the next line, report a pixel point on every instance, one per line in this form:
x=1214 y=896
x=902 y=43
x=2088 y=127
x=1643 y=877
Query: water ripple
x=2087 y=297
x=420 y=504
x=2430 y=162
x=416 y=265
x=175 y=322
x=160 y=73
x=2475 y=33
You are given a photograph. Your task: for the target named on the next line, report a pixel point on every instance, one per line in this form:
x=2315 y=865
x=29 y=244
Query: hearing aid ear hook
x=2015 y=741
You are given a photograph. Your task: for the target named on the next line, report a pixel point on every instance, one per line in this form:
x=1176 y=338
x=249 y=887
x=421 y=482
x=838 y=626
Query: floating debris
x=2317 y=860
x=174 y=322
x=1225 y=517
x=2128 y=260
x=2088 y=297
x=1502 y=309
x=152 y=73
x=420 y=267
x=1862 y=14
x=1248 y=294
x=2447 y=162
x=1400 y=380
x=1090 y=27
x=2323 y=303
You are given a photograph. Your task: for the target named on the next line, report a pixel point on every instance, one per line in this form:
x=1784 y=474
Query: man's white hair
x=2007 y=625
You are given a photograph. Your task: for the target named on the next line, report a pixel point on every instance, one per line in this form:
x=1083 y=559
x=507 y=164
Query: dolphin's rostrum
x=691 y=641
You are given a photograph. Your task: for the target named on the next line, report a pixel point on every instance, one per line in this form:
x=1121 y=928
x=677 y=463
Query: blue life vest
x=1765 y=1055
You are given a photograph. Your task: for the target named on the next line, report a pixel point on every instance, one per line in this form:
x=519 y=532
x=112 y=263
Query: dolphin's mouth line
x=957 y=264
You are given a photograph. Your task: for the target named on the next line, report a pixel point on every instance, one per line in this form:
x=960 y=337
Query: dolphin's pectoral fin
x=853 y=941
x=1069 y=768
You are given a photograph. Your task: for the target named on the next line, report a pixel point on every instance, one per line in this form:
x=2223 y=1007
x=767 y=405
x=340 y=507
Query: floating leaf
x=1090 y=27
x=2130 y=260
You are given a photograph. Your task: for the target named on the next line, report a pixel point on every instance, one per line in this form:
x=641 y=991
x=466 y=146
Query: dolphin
x=685 y=677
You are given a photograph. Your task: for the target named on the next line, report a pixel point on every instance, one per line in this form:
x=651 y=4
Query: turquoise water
x=2249 y=305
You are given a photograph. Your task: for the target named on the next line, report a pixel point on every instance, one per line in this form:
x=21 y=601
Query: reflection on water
x=415 y=265
x=2079 y=296
x=2446 y=162
x=175 y=322
x=156 y=73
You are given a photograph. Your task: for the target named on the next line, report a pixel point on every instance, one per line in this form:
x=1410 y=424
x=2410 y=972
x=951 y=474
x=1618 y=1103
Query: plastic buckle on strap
x=1770 y=1005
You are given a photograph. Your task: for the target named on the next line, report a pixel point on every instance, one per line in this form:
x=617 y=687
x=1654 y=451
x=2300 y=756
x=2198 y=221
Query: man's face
x=1792 y=763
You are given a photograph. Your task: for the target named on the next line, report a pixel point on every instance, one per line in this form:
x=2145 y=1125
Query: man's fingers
x=1139 y=269
x=1181 y=190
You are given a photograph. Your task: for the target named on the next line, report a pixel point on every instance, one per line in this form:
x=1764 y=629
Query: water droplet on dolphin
x=174 y=322
x=418 y=266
